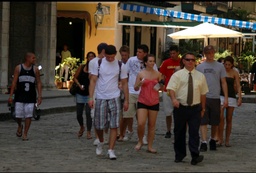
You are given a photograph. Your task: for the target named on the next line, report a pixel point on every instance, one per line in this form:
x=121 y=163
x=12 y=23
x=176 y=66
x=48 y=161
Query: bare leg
x=168 y=123
x=221 y=127
x=229 y=116
x=142 y=115
x=151 y=129
x=27 y=126
x=203 y=129
x=100 y=135
x=112 y=138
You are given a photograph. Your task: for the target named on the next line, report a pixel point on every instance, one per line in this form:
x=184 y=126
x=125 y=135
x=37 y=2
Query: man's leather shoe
x=197 y=160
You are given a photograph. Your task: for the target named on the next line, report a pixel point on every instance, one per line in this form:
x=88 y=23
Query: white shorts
x=167 y=104
x=232 y=102
x=24 y=110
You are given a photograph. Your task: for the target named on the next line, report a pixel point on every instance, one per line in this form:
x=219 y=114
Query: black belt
x=189 y=107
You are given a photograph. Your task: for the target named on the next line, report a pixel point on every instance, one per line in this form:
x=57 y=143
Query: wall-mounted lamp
x=138 y=29
x=127 y=29
x=98 y=16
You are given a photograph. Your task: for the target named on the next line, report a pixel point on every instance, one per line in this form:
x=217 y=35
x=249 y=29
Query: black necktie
x=190 y=90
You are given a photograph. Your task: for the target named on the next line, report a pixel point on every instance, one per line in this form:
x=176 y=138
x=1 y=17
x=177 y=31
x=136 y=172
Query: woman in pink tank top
x=147 y=82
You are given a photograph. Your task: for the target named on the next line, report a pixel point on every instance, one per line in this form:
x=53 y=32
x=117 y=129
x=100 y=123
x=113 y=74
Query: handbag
x=73 y=89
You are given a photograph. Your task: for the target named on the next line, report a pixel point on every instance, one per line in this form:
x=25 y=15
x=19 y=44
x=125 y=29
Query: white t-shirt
x=92 y=62
x=134 y=66
x=107 y=83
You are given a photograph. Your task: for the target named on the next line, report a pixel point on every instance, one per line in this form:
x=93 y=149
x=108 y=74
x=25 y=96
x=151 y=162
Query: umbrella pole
x=205 y=41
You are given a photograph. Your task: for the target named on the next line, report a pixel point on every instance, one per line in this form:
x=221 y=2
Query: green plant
x=72 y=62
x=218 y=55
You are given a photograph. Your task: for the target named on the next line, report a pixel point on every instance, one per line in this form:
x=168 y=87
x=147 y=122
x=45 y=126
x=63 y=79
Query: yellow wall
x=106 y=30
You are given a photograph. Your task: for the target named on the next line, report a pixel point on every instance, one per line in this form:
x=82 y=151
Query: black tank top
x=26 y=91
x=83 y=79
x=231 y=89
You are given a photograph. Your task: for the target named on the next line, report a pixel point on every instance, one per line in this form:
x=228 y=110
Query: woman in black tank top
x=233 y=83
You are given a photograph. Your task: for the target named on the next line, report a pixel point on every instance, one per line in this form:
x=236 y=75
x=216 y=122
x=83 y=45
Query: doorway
x=71 y=31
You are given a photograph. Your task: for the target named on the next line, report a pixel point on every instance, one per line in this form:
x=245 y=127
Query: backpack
x=119 y=63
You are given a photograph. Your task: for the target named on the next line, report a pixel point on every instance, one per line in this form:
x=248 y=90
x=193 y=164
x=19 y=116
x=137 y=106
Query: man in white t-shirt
x=101 y=54
x=104 y=82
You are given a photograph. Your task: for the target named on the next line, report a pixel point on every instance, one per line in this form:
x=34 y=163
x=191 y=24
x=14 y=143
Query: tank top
x=148 y=95
x=83 y=79
x=26 y=88
x=231 y=89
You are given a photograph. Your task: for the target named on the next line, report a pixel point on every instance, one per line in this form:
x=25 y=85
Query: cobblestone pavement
x=53 y=146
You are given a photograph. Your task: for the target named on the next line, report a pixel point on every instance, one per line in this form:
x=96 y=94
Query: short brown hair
x=124 y=48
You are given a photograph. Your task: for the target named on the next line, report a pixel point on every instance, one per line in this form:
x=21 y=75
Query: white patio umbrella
x=205 y=30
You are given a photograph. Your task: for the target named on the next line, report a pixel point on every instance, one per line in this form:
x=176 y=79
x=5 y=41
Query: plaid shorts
x=106 y=113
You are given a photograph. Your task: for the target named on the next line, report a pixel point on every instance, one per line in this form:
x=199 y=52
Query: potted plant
x=58 y=79
x=72 y=62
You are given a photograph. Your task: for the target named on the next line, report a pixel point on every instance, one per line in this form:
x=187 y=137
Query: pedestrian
x=167 y=69
x=148 y=101
x=134 y=65
x=104 y=82
x=27 y=91
x=215 y=75
x=81 y=78
x=125 y=55
x=65 y=53
x=188 y=109
x=233 y=81
x=101 y=54
x=90 y=55
x=252 y=84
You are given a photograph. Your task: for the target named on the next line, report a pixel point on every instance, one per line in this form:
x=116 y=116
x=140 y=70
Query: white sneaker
x=111 y=155
x=145 y=140
x=99 y=148
x=96 y=142
x=128 y=135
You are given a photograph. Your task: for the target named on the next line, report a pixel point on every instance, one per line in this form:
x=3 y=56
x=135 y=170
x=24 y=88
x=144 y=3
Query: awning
x=188 y=16
x=159 y=24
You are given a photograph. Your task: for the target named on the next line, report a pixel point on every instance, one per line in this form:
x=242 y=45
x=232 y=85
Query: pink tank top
x=148 y=95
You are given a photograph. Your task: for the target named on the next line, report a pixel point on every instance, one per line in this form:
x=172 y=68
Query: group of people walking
x=114 y=92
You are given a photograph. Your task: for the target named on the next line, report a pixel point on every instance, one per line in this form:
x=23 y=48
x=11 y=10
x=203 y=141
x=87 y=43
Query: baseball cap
x=101 y=46
x=208 y=48
x=110 y=50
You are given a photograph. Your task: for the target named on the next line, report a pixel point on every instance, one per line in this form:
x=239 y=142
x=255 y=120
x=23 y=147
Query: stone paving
x=53 y=146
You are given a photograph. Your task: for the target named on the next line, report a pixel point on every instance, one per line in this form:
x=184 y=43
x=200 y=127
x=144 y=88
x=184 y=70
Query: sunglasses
x=193 y=60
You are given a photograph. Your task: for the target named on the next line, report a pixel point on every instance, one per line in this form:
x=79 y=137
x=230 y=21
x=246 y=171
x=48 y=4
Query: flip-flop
x=152 y=151
x=19 y=133
x=138 y=147
x=89 y=137
x=80 y=133
x=24 y=138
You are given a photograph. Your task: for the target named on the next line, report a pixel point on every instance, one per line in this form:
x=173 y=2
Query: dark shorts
x=212 y=112
x=143 y=106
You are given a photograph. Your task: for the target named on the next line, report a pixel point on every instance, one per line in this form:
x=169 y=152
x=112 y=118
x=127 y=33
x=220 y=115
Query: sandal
x=138 y=147
x=24 y=138
x=89 y=136
x=81 y=132
x=19 y=131
x=153 y=151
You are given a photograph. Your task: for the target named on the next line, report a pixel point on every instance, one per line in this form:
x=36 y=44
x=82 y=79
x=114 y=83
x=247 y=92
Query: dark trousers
x=79 y=115
x=184 y=116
